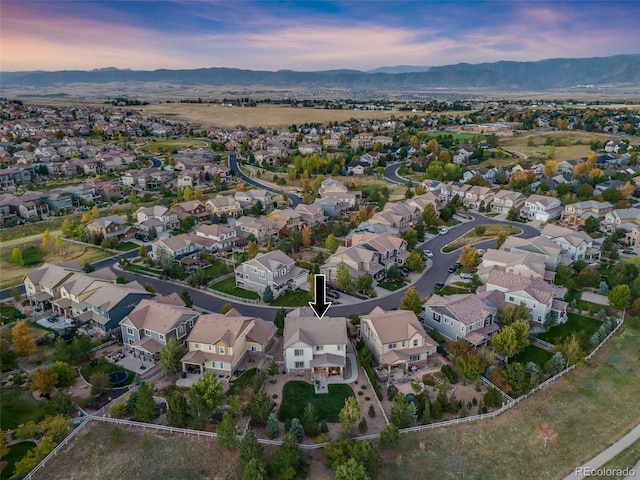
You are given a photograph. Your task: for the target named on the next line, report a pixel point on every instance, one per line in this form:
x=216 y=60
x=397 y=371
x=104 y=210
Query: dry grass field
x=262 y=115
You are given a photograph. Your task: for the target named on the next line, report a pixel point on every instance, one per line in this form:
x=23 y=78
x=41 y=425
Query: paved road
x=156 y=162
x=391 y=174
x=599 y=460
x=233 y=165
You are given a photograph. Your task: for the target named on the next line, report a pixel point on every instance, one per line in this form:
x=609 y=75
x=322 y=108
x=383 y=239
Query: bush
x=392 y=391
x=390 y=436
x=362 y=426
x=372 y=411
x=492 y=398
x=450 y=374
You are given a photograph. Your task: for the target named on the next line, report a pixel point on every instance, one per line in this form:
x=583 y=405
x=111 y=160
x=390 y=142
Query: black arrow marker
x=320 y=304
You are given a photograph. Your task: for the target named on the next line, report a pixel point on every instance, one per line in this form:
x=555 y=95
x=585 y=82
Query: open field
x=262 y=115
x=13 y=274
x=166 y=146
x=628 y=458
x=579 y=407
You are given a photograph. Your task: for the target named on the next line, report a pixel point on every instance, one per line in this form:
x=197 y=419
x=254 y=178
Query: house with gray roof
x=274 y=269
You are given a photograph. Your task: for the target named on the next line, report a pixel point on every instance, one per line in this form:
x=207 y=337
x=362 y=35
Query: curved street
x=391 y=174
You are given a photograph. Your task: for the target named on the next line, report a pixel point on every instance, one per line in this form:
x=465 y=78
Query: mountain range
x=561 y=73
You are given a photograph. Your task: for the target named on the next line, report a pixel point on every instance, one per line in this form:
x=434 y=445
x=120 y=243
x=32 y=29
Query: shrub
x=362 y=426
x=372 y=411
x=390 y=436
x=450 y=374
x=392 y=391
x=360 y=392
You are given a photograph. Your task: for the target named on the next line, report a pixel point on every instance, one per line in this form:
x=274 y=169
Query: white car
x=444 y=231
x=481 y=251
x=428 y=253
x=466 y=275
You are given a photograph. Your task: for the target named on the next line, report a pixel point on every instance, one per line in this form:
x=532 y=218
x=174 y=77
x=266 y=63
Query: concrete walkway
x=602 y=458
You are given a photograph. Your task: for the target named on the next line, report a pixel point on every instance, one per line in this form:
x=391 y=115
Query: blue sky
x=307 y=35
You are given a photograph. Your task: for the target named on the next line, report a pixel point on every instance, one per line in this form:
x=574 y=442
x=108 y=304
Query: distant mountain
x=400 y=69
x=505 y=76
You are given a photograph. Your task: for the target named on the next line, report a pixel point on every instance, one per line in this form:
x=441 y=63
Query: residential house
x=334 y=188
x=633 y=237
x=451 y=189
x=288 y=219
x=396 y=338
x=29 y=205
x=358 y=260
x=43 y=284
x=219 y=342
x=260 y=228
x=476 y=196
x=192 y=208
x=111 y=303
x=461 y=156
x=150 y=325
x=72 y=293
x=224 y=236
x=318 y=346
x=111 y=226
x=519 y=263
x=421 y=201
x=502 y=288
x=224 y=205
x=158 y=217
x=58 y=200
x=541 y=208
x=625 y=218
x=249 y=198
x=577 y=213
x=505 y=200
x=332 y=207
x=274 y=269
x=460 y=317
x=575 y=245
x=312 y=214
x=82 y=193
x=392 y=249
x=181 y=246
x=189 y=178
x=398 y=215
x=543 y=247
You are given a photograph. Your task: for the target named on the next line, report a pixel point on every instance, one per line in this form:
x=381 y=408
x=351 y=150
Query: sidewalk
x=602 y=458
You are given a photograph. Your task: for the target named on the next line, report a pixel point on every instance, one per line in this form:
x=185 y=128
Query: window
x=181 y=329
x=131 y=341
x=436 y=317
x=129 y=331
x=298 y=352
x=161 y=337
x=254 y=349
x=262 y=274
x=339 y=348
x=462 y=328
x=392 y=346
x=146 y=332
x=511 y=299
x=210 y=347
x=197 y=346
x=415 y=342
x=414 y=358
x=221 y=350
x=319 y=348
x=299 y=364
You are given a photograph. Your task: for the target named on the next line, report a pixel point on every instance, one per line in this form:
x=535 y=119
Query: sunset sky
x=307 y=35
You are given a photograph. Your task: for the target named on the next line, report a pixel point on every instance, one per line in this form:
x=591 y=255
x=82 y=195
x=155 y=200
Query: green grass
x=454 y=135
x=8 y=314
x=127 y=246
x=166 y=146
x=217 y=269
x=238 y=385
x=32 y=256
x=628 y=458
x=228 y=286
x=108 y=368
x=391 y=286
x=17 y=406
x=132 y=267
x=592 y=308
x=296 y=395
x=16 y=453
x=575 y=323
x=532 y=354
x=299 y=298
x=449 y=290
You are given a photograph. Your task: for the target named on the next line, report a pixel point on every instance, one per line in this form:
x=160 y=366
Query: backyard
x=240 y=384
x=18 y=406
x=16 y=452
x=574 y=323
x=532 y=354
x=108 y=368
x=228 y=286
x=8 y=314
x=296 y=394
x=299 y=298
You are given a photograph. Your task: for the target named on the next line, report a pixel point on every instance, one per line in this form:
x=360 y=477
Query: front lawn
x=228 y=286
x=449 y=290
x=127 y=246
x=132 y=267
x=17 y=451
x=17 y=406
x=532 y=354
x=575 y=323
x=391 y=286
x=108 y=368
x=296 y=395
x=299 y=298
x=491 y=230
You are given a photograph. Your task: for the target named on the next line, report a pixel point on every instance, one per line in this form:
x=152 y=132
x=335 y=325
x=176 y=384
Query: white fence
x=104 y=345
x=595 y=350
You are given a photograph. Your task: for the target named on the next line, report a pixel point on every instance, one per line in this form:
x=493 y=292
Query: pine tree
x=273 y=427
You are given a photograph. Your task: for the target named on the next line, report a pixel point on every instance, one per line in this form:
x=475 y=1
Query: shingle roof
x=301 y=325
x=395 y=325
x=466 y=308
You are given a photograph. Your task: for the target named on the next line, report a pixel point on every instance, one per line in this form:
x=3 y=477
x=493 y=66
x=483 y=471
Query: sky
x=307 y=35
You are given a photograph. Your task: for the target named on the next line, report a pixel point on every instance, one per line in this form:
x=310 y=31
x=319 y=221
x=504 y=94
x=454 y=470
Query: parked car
x=628 y=252
x=143 y=237
x=333 y=294
x=439 y=285
x=443 y=231
x=404 y=271
x=466 y=275
x=456 y=265
x=452 y=270
x=428 y=253
x=481 y=251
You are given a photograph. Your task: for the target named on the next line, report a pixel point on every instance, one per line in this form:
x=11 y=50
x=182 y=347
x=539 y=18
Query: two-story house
x=78 y=287
x=158 y=216
x=289 y=220
x=541 y=208
x=311 y=214
x=334 y=188
x=193 y=208
x=43 y=285
x=261 y=228
x=274 y=269
x=391 y=249
x=577 y=213
x=150 y=325
x=109 y=304
x=626 y=218
x=460 y=316
x=219 y=342
x=111 y=226
x=358 y=260
x=224 y=205
x=249 y=198
x=332 y=207
x=397 y=215
x=519 y=263
x=58 y=200
x=575 y=245
x=224 y=236
x=181 y=246
x=505 y=200
x=476 y=196
x=541 y=246
x=319 y=346
x=396 y=338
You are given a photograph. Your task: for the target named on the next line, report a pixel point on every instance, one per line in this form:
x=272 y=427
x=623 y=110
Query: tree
x=331 y=243
x=146 y=408
x=187 y=223
x=267 y=295
x=352 y=470
x=227 y=431
x=551 y=168
x=411 y=237
x=521 y=327
x=502 y=237
x=505 y=341
x=143 y=252
x=153 y=233
x=226 y=308
x=187 y=194
x=100 y=383
x=178 y=413
x=470 y=364
x=510 y=312
x=344 y=280
x=365 y=283
x=252 y=249
x=420 y=230
x=43 y=380
x=55 y=427
x=46 y=239
x=620 y=297
x=133 y=198
x=429 y=215
x=4 y=446
x=249 y=448
x=571 y=350
x=306 y=236
x=393 y=273
x=603 y=289
x=297 y=429
x=390 y=436
x=22 y=340
x=253 y=470
x=469 y=257
x=259 y=408
x=411 y=301
x=95 y=212
x=546 y=433
x=273 y=427
x=66 y=374
x=206 y=395
x=517 y=379
x=513 y=214
x=186 y=298
x=310 y=421
x=16 y=257
x=415 y=261
x=171 y=356
x=197 y=193
x=61 y=403
x=349 y=414
x=286 y=461
x=281 y=314
x=403 y=412
x=591 y=224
